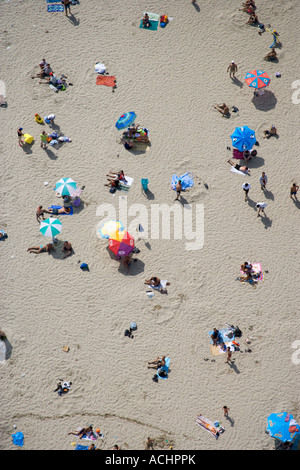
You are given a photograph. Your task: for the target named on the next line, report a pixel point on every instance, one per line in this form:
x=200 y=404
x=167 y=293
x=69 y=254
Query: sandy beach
x=171 y=78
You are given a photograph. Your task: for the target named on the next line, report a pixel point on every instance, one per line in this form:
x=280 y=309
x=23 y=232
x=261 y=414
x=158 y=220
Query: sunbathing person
x=41 y=249
x=55 y=211
x=208 y=426
x=159 y=362
x=115 y=183
x=154 y=281
x=67 y=249
x=120 y=175
x=146 y=21
x=269 y=133
x=271 y=55
x=223 y=109
x=82 y=432
x=244 y=169
x=248 y=9
x=253 y=19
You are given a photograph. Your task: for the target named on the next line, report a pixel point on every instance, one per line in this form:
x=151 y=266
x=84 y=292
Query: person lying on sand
x=115 y=183
x=67 y=249
x=157 y=363
x=154 y=281
x=248 y=9
x=120 y=175
x=82 y=432
x=223 y=109
x=41 y=249
x=55 y=211
x=253 y=19
x=249 y=3
x=244 y=169
x=269 y=133
x=271 y=55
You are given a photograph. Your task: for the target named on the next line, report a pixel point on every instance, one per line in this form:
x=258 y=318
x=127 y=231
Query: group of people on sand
x=49 y=78
x=115 y=178
x=67 y=249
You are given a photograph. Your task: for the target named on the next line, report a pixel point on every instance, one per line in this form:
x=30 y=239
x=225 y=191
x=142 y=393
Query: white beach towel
x=152 y=16
x=100 y=68
x=128 y=182
x=162 y=285
x=239 y=172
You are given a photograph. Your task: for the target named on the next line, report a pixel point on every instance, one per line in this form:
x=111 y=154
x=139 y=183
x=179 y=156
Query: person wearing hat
x=20 y=134
x=232 y=68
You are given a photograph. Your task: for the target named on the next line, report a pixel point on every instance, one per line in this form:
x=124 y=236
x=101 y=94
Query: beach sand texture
x=171 y=78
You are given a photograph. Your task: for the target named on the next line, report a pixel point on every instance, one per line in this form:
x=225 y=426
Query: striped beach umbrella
x=110 y=228
x=65 y=186
x=125 y=120
x=257 y=79
x=50 y=227
x=243 y=138
x=121 y=244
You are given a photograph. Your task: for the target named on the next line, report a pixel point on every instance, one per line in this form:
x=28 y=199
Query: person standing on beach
x=229 y=354
x=178 y=188
x=232 y=68
x=20 y=134
x=67 y=5
x=263 y=180
x=43 y=137
x=39 y=214
x=294 y=190
x=261 y=208
x=246 y=187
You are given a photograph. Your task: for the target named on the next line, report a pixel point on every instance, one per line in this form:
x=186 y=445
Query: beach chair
x=144 y=183
x=164 y=369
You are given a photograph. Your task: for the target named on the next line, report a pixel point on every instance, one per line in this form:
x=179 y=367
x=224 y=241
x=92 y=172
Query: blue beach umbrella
x=283 y=427
x=125 y=120
x=243 y=138
x=65 y=186
x=50 y=227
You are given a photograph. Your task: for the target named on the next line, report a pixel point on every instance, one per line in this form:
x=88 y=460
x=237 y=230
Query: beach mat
x=237 y=154
x=81 y=447
x=107 y=81
x=153 y=25
x=126 y=185
x=239 y=172
x=152 y=16
x=256 y=269
x=59 y=207
x=55 y=8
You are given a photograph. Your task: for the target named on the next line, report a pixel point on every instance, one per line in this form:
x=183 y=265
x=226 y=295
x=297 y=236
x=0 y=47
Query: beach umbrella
x=186 y=181
x=257 y=79
x=110 y=228
x=121 y=243
x=50 y=227
x=243 y=138
x=125 y=120
x=283 y=427
x=65 y=186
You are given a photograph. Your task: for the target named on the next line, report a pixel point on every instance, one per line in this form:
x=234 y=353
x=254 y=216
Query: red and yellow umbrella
x=121 y=243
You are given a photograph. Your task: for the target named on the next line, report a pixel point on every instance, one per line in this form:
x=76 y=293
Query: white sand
x=171 y=78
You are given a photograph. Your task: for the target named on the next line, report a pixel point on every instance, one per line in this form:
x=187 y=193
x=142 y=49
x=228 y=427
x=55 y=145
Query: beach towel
x=164 y=368
x=239 y=172
x=237 y=154
x=100 y=68
x=152 y=16
x=209 y=426
x=106 y=80
x=161 y=286
x=256 y=269
x=226 y=336
x=18 y=439
x=80 y=447
x=153 y=25
x=52 y=1
x=59 y=207
x=125 y=185
x=55 y=8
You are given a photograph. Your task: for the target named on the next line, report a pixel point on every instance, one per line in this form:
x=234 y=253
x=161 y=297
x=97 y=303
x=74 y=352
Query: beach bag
x=28 y=138
x=237 y=332
x=84 y=267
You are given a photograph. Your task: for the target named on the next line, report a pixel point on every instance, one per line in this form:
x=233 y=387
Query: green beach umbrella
x=50 y=227
x=65 y=186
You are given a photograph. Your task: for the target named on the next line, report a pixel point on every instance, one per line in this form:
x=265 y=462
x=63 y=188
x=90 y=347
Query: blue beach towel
x=52 y=1
x=223 y=335
x=55 y=8
x=18 y=439
x=80 y=447
x=59 y=207
x=164 y=368
x=153 y=25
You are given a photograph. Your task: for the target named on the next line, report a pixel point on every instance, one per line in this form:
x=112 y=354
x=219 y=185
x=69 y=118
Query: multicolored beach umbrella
x=282 y=426
x=257 y=79
x=65 y=186
x=243 y=138
x=50 y=227
x=110 y=228
x=121 y=244
x=125 y=120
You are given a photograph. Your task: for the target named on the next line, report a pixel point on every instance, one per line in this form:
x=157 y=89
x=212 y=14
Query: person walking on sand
x=232 y=68
x=20 y=135
x=246 y=187
x=43 y=137
x=263 y=180
x=294 y=190
x=67 y=5
x=178 y=188
x=261 y=208
x=229 y=354
x=226 y=409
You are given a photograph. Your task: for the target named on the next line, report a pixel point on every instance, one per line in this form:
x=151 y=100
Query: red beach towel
x=106 y=80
